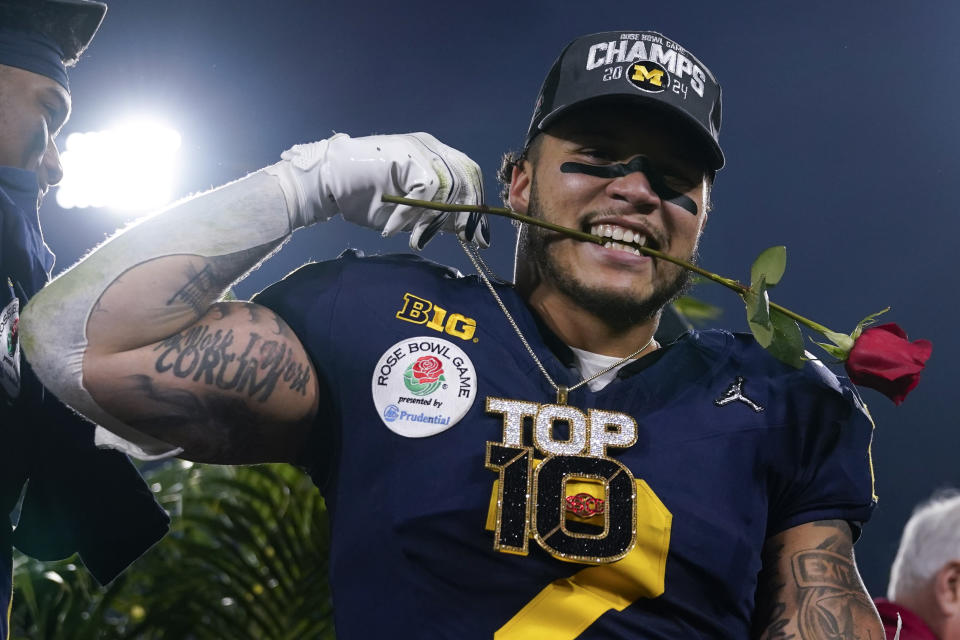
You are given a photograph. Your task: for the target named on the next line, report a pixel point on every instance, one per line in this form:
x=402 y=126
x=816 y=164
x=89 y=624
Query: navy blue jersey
x=465 y=502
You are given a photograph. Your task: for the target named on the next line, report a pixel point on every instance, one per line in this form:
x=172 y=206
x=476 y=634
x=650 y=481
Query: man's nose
x=51 y=169
x=635 y=188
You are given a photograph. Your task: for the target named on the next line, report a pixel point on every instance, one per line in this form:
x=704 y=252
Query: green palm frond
x=246 y=558
x=57 y=601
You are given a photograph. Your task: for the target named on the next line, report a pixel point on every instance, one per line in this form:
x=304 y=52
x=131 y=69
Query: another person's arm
x=133 y=336
x=810 y=588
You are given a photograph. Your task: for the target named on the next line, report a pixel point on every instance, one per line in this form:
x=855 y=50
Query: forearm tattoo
x=202 y=286
x=211 y=427
x=249 y=363
x=771 y=615
x=830 y=599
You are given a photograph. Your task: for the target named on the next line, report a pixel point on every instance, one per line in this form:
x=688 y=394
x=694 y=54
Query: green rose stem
x=587 y=237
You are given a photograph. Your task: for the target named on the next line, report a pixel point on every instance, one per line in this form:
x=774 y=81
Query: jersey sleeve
x=306 y=299
x=828 y=470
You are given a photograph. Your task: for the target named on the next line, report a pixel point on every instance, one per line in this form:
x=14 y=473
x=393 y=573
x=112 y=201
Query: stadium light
x=130 y=167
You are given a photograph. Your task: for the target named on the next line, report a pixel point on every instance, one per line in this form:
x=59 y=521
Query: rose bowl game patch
x=423 y=385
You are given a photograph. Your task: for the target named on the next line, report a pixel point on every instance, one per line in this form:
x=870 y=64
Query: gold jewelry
x=562 y=391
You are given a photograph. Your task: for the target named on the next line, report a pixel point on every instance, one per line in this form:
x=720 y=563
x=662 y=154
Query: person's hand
x=349 y=175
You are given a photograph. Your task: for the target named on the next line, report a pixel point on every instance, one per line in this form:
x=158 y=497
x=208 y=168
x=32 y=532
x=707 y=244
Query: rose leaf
x=758 y=312
x=787 y=342
x=771 y=264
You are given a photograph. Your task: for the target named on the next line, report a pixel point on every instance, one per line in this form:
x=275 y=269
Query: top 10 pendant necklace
x=576 y=478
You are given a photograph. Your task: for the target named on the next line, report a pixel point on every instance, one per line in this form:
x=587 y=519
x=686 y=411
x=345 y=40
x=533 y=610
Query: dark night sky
x=839 y=130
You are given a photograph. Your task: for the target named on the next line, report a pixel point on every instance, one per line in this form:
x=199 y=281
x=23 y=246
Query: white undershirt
x=588 y=363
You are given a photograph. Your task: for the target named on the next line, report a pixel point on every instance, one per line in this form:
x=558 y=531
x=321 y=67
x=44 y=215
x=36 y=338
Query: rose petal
x=882 y=358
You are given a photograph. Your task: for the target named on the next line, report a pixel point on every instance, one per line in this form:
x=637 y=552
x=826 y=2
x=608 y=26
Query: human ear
x=519 y=194
x=946 y=586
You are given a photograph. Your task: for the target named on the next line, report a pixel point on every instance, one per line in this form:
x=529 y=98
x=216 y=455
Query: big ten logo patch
x=420 y=311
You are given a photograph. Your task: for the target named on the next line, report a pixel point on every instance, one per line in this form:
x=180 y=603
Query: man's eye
x=679 y=183
x=597 y=154
x=52 y=114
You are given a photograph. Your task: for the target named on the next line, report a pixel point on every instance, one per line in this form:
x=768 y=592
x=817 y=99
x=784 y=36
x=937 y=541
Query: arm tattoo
x=256 y=316
x=771 y=607
x=201 y=287
x=832 y=598
x=247 y=364
x=211 y=427
x=195 y=293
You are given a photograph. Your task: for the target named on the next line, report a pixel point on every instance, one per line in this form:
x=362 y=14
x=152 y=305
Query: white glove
x=348 y=175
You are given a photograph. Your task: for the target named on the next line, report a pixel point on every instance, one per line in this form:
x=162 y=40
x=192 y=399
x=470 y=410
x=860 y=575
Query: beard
x=619 y=310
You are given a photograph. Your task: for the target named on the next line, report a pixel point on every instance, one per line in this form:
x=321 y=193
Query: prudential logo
x=391 y=413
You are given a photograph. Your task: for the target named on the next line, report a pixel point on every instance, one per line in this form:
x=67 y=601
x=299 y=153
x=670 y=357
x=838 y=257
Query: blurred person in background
x=924 y=584
x=41 y=441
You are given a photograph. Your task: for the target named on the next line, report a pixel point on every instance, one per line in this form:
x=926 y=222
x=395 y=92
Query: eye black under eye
x=640 y=164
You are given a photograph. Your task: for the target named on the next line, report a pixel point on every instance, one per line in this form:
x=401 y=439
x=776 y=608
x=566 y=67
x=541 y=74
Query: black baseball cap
x=71 y=24
x=644 y=67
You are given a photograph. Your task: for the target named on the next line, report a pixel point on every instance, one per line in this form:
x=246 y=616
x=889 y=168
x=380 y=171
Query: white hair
x=931 y=538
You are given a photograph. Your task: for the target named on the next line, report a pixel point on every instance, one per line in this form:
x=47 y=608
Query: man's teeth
x=619 y=233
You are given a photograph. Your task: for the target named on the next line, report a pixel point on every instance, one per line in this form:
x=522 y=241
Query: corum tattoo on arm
x=247 y=364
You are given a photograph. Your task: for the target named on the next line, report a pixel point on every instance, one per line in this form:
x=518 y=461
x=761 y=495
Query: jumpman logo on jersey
x=735 y=392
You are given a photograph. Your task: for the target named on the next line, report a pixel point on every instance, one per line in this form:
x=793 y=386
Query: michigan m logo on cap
x=648 y=76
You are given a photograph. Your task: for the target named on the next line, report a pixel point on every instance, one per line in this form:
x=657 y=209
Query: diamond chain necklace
x=562 y=391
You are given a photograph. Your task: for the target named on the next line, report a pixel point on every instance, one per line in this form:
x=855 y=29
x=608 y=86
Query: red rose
x=883 y=359
x=427 y=369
